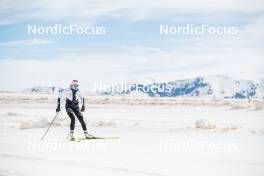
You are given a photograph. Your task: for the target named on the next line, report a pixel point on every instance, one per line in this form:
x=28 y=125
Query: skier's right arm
x=59 y=101
x=58 y=105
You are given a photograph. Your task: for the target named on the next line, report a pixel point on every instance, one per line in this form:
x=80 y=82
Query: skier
x=73 y=97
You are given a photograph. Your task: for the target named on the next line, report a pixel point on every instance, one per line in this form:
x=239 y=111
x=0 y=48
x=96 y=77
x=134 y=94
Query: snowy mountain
x=212 y=86
x=45 y=89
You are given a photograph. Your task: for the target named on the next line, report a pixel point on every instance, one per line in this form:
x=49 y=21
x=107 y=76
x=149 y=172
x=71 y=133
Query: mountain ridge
x=220 y=86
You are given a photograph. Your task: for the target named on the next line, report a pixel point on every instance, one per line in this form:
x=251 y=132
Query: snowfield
x=160 y=137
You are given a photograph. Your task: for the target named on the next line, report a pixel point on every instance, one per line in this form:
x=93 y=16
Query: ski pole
x=50 y=126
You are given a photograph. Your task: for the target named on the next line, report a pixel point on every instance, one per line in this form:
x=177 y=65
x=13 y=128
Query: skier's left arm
x=82 y=102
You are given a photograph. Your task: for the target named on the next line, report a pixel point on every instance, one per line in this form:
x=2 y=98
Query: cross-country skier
x=73 y=99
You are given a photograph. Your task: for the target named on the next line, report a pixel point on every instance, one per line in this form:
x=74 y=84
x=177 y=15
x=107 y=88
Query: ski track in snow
x=71 y=163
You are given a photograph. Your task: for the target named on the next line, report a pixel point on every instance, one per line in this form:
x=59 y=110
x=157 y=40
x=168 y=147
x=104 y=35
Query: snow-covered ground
x=157 y=139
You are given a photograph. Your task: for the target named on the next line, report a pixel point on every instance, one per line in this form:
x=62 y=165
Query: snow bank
x=157 y=118
x=201 y=124
x=14 y=120
x=31 y=123
x=258 y=132
x=42 y=123
x=11 y=114
x=206 y=124
x=103 y=123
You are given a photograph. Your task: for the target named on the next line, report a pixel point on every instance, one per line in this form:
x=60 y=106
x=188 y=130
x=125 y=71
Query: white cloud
x=135 y=64
x=4 y=22
x=79 y=10
x=30 y=42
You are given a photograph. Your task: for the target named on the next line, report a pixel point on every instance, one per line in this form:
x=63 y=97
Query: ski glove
x=83 y=108
x=58 y=107
x=83 y=105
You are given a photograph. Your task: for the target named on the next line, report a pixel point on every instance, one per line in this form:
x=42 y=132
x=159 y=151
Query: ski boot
x=88 y=136
x=71 y=136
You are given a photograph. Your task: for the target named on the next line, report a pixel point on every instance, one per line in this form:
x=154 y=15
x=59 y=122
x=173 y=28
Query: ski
x=94 y=137
x=112 y=137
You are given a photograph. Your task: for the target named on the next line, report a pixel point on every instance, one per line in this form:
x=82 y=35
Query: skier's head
x=74 y=84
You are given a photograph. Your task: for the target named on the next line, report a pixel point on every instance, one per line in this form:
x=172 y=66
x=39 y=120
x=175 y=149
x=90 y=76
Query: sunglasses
x=75 y=85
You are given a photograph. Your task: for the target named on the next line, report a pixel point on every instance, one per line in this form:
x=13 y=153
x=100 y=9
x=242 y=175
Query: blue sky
x=132 y=48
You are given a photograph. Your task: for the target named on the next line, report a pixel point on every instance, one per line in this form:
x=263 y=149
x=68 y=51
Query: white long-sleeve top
x=68 y=94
